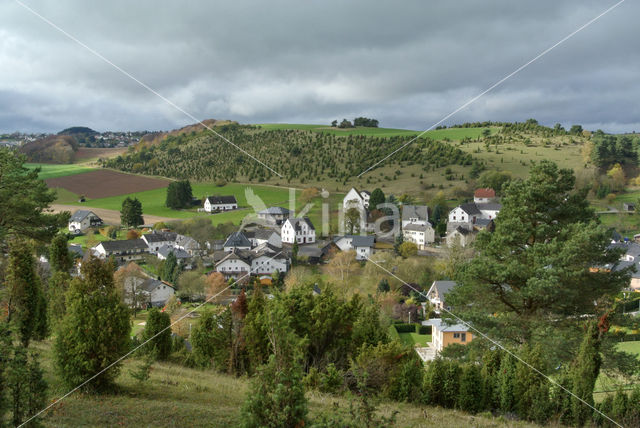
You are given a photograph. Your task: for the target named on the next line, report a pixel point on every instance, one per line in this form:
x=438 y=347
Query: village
x=264 y=251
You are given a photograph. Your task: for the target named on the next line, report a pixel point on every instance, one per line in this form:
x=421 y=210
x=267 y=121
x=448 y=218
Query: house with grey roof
x=444 y=334
x=220 y=203
x=415 y=214
x=181 y=255
x=298 y=230
x=82 y=220
x=274 y=215
x=155 y=240
x=437 y=293
x=237 y=240
x=363 y=246
x=122 y=251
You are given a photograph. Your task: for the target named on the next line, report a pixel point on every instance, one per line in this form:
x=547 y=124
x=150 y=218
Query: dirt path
x=108 y=216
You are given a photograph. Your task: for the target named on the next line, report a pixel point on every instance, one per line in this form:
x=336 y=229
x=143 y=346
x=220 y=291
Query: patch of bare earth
x=105 y=182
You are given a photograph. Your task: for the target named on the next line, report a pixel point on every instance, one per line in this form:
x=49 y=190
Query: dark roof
x=76 y=250
x=295 y=222
x=245 y=256
x=275 y=211
x=263 y=233
x=493 y=206
x=421 y=212
x=443 y=287
x=417 y=227
x=362 y=241
x=237 y=239
x=160 y=236
x=220 y=200
x=151 y=284
x=179 y=253
x=470 y=208
x=462 y=231
x=124 y=245
x=80 y=215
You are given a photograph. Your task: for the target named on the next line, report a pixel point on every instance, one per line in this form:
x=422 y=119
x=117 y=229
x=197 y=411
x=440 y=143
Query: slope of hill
x=300 y=156
x=325 y=157
x=77 y=130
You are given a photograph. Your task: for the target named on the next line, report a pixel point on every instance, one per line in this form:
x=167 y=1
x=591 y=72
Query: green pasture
x=413 y=339
x=55 y=170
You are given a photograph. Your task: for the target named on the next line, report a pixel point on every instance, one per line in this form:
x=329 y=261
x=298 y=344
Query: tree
x=128 y=281
x=132 y=234
x=342 y=264
x=383 y=286
x=26 y=304
x=131 y=213
x=23 y=202
x=158 y=331
x=407 y=249
x=309 y=194
x=26 y=386
x=584 y=373
x=352 y=220
x=334 y=123
x=276 y=398
x=95 y=329
x=377 y=198
x=59 y=257
x=364 y=121
x=345 y=124
x=538 y=263
x=497 y=180
x=170 y=269
x=618 y=180
x=179 y=195
x=471 y=397
x=215 y=287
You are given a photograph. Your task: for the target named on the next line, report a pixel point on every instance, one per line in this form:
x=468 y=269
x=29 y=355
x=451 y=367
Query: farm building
x=220 y=203
x=82 y=220
x=274 y=215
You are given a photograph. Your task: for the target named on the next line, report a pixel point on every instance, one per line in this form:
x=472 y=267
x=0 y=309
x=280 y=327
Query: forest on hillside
x=301 y=155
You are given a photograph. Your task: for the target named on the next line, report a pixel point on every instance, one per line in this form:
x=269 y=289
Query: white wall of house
x=161 y=294
x=458 y=215
x=353 y=199
x=233 y=267
x=363 y=253
x=267 y=265
x=304 y=235
x=489 y=214
x=420 y=237
x=209 y=207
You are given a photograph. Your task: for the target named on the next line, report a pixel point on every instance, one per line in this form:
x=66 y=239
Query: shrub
x=405 y=328
x=332 y=380
x=470 y=398
x=423 y=329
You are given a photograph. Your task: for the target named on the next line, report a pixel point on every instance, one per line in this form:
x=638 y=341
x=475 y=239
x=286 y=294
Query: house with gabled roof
x=444 y=334
x=437 y=293
x=237 y=240
x=362 y=245
x=82 y=220
x=220 y=203
x=156 y=239
x=484 y=195
x=274 y=215
x=298 y=230
x=356 y=199
x=122 y=251
x=415 y=214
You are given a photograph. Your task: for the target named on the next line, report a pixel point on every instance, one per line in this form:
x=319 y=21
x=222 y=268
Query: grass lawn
x=175 y=396
x=413 y=339
x=630 y=347
x=607 y=383
x=53 y=171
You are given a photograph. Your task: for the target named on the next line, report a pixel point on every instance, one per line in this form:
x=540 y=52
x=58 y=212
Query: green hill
x=317 y=155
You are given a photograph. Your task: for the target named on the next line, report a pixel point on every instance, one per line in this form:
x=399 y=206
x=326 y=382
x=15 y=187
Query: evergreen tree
x=58 y=286
x=490 y=368
x=59 y=257
x=619 y=406
x=442 y=383
x=406 y=384
x=383 y=286
x=506 y=383
x=276 y=398
x=537 y=264
x=23 y=202
x=26 y=385
x=157 y=327
x=131 y=213
x=255 y=329
x=95 y=329
x=26 y=309
x=584 y=374
x=179 y=195
x=471 y=397
x=377 y=197
x=170 y=268
x=528 y=385
x=212 y=339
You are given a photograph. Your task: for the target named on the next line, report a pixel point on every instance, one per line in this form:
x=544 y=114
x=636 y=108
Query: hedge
x=423 y=329
x=405 y=328
x=393 y=333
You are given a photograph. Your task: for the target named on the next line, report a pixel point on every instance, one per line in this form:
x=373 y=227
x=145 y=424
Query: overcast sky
x=405 y=63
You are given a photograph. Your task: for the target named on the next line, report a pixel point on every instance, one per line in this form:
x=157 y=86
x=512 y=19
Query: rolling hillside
x=316 y=155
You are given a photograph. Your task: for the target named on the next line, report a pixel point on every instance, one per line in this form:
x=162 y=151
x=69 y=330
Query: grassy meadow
x=54 y=170
x=175 y=396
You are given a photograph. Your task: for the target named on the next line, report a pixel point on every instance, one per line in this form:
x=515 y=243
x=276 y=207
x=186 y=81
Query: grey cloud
x=407 y=64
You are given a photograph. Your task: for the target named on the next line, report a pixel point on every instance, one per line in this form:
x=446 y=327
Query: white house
x=362 y=245
x=121 y=251
x=484 y=195
x=82 y=220
x=265 y=264
x=238 y=241
x=460 y=235
x=148 y=290
x=181 y=255
x=236 y=264
x=421 y=235
x=443 y=334
x=356 y=199
x=415 y=214
x=156 y=240
x=298 y=230
x=220 y=203
x=438 y=292
x=262 y=236
x=467 y=215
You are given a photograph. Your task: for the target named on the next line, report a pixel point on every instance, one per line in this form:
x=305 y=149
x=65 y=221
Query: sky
x=407 y=64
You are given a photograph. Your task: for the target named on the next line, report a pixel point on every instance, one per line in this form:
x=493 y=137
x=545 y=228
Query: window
x=456 y=335
x=464 y=337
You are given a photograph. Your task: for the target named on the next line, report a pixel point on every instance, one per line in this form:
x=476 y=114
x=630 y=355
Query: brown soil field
x=92 y=153
x=108 y=216
x=105 y=182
